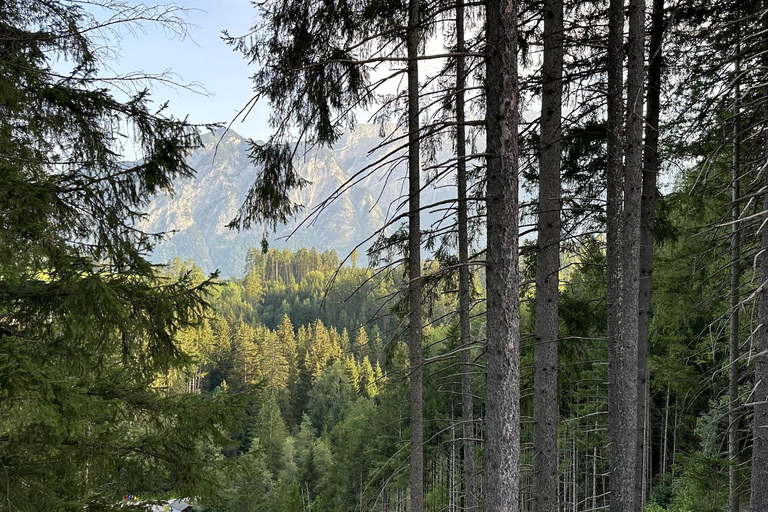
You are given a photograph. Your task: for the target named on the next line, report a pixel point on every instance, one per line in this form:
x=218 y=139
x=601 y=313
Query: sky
x=201 y=57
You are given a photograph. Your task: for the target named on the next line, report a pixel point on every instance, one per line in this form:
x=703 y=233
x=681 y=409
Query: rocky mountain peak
x=196 y=215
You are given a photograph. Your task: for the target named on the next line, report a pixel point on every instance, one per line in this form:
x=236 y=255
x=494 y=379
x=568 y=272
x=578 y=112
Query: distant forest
x=326 y=372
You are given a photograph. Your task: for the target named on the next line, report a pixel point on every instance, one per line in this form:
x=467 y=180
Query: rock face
x=195 y=217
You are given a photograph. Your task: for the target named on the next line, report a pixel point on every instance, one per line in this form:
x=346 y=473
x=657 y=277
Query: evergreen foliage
x=86 y=322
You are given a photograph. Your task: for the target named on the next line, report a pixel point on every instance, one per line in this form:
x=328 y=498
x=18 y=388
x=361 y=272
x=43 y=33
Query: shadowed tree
x=86 y=322
x=545 y=460
x=647 y=225
x=759 y=496
x=502 y=417
x=465 y=298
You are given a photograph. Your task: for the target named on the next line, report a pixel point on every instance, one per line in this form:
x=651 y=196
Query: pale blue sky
x=202 y=57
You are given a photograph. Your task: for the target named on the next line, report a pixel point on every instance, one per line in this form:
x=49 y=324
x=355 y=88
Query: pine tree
x=330 y=396
x=415 y=330
x=648 y=222
x=367 y=384
x=253 y=284
x=361 y=346
x=759 y=495
x=245 y=354
x=734 y=325
x=353 y=372
x=286 y=339
x=273 y=370
x=502 y=418
x=320 y=349
x=545 y=460
x=86 y=322
x=465 y=297
x=624 y=192
x=271 y=431
x=344 y=345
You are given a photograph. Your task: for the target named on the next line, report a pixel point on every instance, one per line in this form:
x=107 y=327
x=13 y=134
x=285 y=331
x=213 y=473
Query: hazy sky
x=202 y=57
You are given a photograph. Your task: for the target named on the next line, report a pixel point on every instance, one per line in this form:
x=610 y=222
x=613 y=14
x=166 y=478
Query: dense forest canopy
x=579 y=323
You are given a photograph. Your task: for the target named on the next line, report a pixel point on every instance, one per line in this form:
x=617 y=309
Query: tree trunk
x=674 y=432
x=452 y=505
x=467 y=403
x=624 y=206
x=594 y=478
x=502 y=435
x=759 y=499
x=548 y=266
x=574 y=487
x=733 y=368
x=565 y=479
x=647 y=225
x=664 y=448
x=414 y=263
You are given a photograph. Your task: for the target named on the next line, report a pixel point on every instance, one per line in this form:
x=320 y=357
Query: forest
x=582 y=326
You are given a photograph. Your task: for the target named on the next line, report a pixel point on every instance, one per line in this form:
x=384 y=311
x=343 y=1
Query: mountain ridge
x=196 y=215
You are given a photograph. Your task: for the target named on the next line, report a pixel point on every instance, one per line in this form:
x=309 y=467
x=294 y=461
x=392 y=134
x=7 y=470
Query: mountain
x=196 y=215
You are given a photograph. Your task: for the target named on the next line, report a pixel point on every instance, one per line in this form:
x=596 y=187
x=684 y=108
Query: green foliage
x=662 y=493
x=310 y=381
x=702 y=486
x=330 y=397
x=287 y=498
x=272 y=432
x=368 y=386
x=87 y=324
x=247 y=483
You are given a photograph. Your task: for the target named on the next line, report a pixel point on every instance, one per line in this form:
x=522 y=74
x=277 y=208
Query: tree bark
x=502 y=435
x=647 y=225
x=624 y=206
x=414 y=263
x=467 y=402
x=544 y=484
x=574 y=487
x=664 y=449
x=759 y=498
x=733 y=359
x=594 y=478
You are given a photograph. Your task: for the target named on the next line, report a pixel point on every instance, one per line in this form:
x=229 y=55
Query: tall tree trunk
x=502 y=435
x=615 y=179
x=647 y=225
x=675 y=423
x=574 y=482
x=759 y=499
x=565 y=480
x=467 y=403
x=733 y=368
x=624 y=206
x=414 y=263
x=452 y=502
x=594 y=478
x=664 y=449
x=548 y=266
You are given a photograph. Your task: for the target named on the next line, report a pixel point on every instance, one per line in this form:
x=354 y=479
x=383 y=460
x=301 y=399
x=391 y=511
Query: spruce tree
x=86 y=322
x=545 y=459
x=647 y=227
x=502 y=368
x=759 y=492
